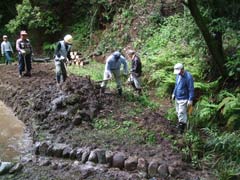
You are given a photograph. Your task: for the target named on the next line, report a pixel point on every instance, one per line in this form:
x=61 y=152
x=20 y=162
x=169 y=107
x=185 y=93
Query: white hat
x=68 y=39
x=4 y=36
x=23 y=32
x=177 y=68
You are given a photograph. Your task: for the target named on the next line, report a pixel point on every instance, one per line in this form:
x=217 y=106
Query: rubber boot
x=102 y=90
x=139 y=92
x=181 y=127
x=120 y=92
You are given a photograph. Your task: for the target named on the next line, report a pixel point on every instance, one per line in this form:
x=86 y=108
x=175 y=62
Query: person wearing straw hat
x=62 y=55
x=6 y=50
x=24 y=48
x=183 y=94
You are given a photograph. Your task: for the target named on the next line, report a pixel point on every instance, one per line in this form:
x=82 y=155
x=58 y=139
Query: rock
x=79 y=153
x=66 y=152
x=36 y=148
x=43 y=148
x=173 y=171
x=5 y=167
x=57 y=103
x=85 y=155
x=142 y=165
x=44 y=162
x=57 y=149
x=18 y=167
x=101 y=156
x=135 y=177
x=153 y=169
x=93 y=157
x=118 y=160
x=73 y=154
x=131 y=163
x=163 y=171
x=77 y=120
x=109 y=157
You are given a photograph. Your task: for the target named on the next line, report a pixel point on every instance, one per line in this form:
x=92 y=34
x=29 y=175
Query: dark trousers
x=22 y=61
x=61 y=71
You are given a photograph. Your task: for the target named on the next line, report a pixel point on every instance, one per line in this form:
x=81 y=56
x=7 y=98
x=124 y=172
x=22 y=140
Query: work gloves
x=23 y=51
x=189 y=103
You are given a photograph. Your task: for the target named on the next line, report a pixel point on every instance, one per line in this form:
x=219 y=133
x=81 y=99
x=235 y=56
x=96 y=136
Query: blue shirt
x=115 y=64
x=184 y=87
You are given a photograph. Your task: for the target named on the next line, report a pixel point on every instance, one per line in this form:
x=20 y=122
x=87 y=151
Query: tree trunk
x=214 y=43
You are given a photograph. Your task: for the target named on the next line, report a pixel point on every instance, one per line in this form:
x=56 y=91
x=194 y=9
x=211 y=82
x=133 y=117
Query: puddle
x=14 y=141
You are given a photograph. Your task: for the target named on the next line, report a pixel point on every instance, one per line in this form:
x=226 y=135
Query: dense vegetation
x=204 y=36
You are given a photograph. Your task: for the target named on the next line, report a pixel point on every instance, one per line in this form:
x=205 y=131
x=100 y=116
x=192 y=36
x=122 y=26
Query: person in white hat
x=24 y=48
x=6 y=50
x=183 y=94
x=62 y=55
x=136 y=71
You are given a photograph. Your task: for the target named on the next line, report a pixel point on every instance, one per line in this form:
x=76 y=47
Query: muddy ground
x=65 y=116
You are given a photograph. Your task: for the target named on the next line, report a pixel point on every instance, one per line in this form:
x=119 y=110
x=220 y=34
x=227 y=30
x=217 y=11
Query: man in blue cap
x=112 y=67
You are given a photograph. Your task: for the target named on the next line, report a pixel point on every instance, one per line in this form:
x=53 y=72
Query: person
x=24 y=48
x=6 y=49
x=136 y=71
x=183 y=94
x=112 y=67
x=62 y=55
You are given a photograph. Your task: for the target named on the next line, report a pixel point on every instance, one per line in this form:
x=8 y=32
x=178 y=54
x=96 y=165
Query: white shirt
x=6 y=46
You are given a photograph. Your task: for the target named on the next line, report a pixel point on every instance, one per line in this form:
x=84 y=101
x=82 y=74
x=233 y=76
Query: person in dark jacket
x=62 y=55
x=183 y=94
x=24 y=49
x=136 y=71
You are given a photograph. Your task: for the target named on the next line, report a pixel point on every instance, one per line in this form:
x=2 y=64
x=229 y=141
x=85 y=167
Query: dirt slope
x=66 y=116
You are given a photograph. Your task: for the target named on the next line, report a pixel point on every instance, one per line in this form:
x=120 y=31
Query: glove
x=173 y=97
x=23 y=51
x=189 y=103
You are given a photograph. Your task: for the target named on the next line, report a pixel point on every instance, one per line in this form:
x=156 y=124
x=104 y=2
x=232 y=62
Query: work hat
x=68 y=39
x=117 y=54
x=177 y=68
x=23 y=32
x=130 y=52
x=4 y=36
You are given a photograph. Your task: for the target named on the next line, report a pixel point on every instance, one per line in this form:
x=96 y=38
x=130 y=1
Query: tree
x=213 y=38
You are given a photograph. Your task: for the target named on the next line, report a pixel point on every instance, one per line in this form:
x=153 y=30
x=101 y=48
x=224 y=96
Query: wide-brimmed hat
x=4 y=36
x=68 y=39
x=177 y=68
x=23 y=32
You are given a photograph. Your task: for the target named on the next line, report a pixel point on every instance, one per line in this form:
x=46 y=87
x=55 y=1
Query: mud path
x=66 y=116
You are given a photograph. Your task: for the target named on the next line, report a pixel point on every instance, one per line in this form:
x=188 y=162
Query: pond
x=14 y=140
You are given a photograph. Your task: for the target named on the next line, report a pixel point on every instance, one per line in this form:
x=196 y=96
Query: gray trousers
x=181 y=108
x=116 y=74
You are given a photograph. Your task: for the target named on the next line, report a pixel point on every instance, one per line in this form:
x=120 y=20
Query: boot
x=120 y=92
x=181 y=126
x=139 y=92
x=102 y=90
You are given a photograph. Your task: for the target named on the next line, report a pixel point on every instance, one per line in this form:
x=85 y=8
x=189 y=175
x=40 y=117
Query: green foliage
x=169 y=44
x=33 y=18
x=126 y=130
x=81 y=35
x=49 y=48
x=193 y=148
x=233 y=66
x=93 y=69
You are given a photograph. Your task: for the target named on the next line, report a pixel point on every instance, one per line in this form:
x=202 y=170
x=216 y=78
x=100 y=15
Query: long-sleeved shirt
x=23 y=44
x=115 y=64
x=136 y=65
x=6 y=46
x=184 y=87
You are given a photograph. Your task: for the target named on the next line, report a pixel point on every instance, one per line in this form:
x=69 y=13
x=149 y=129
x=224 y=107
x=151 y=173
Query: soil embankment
x=66 y=144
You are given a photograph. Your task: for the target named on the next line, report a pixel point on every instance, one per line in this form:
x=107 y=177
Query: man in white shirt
x=6 y=49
